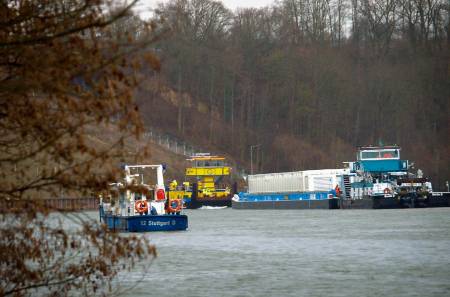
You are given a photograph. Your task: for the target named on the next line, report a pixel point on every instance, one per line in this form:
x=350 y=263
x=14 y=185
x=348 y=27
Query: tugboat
x=378 y=179
x=208 y=188
x=136 y=205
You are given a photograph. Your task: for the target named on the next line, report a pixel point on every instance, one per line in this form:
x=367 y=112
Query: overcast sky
x=230 y=4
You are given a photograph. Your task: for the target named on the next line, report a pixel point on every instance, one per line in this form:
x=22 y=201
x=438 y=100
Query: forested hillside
x=306 y=80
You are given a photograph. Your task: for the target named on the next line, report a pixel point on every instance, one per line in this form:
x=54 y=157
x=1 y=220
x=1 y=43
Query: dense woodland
x=308 y=80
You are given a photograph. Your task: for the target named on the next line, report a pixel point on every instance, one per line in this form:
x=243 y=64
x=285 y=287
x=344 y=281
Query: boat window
x=209 y=163
x=370 y=154
x=382 y=154
x=389 y=154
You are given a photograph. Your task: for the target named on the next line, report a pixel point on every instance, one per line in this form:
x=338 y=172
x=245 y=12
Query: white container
x=276 y=182
x=297 y=181
x=323 y=179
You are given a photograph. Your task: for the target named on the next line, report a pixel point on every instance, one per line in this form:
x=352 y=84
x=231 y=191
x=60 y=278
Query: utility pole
x=251 y=156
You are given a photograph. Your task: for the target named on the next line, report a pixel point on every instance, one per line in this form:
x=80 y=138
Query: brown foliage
x=64 y=71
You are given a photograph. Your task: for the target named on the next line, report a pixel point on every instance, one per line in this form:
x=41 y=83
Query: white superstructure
x=153 y=194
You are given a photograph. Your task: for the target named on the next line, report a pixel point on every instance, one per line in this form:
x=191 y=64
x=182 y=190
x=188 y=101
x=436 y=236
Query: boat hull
x=145 y=223
x=194 y=201
x=376 y=202
x=379 y=202
x=199 y=202
x=288 y=204
x=293 y=200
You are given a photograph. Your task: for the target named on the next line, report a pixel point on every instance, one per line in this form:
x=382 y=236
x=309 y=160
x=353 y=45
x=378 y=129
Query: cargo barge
x=379 y=179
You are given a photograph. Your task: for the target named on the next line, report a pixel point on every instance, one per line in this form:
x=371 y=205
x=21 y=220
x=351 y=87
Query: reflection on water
x=230 y=252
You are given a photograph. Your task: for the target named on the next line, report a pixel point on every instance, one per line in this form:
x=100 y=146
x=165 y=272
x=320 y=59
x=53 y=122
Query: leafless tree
x=65 y=74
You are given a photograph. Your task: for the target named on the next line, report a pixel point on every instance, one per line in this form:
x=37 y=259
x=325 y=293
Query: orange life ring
x=387 y=191
x=174 y=205
x=141 y=206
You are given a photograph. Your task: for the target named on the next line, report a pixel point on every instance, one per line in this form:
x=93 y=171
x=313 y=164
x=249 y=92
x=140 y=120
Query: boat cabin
x=380 y=159
x=208 y=171
x=207 y=165
x=379 y=153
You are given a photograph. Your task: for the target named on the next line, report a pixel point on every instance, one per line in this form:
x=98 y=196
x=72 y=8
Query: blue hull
x=145 y=223
x=246 y=197
x=296 y=200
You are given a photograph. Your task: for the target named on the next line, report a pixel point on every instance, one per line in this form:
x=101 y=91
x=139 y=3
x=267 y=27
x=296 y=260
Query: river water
x=226 y=252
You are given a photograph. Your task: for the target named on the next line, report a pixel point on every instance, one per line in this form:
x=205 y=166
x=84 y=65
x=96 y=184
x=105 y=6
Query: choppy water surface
x=230 y=252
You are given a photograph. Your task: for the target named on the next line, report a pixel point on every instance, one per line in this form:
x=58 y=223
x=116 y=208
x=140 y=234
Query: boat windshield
x=209 y=163
x=380 y=154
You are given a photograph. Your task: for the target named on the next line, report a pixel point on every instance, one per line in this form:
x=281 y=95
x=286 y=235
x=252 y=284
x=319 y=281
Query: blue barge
x=312 y=200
